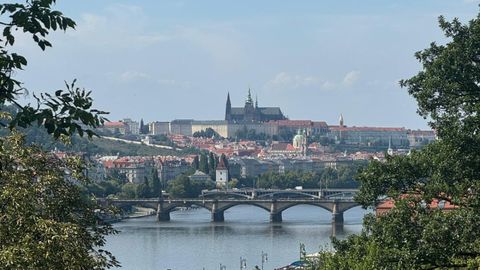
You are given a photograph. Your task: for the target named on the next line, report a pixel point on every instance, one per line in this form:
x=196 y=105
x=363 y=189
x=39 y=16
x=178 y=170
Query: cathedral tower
x=228 y=109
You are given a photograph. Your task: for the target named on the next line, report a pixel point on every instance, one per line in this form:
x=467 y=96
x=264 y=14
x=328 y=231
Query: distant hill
x=38 y=135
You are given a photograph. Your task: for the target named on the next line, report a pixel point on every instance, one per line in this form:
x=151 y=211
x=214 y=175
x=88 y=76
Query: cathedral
x=251 y=113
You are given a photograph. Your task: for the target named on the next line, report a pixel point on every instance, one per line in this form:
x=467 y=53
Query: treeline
x=340 y=177
x=118 y=186
x=207 y=133
x=208 y=162
x=183 y=187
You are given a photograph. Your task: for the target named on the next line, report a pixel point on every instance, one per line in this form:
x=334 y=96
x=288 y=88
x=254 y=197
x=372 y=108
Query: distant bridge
x=333 y=202
x=282 y=193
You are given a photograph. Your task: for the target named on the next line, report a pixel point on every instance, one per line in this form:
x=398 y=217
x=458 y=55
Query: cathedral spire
x=228 y=108
x=249 y=97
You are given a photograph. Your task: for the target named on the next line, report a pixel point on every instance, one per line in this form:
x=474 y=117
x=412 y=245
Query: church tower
x=221 y=173
x=228 y=109
x=249 y=108
x=341 y=121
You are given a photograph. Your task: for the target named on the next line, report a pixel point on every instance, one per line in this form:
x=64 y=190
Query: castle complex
x=251 y=113
x=272 y=123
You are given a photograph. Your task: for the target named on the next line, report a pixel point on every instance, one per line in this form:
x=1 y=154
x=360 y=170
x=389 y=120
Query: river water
x=190 y=241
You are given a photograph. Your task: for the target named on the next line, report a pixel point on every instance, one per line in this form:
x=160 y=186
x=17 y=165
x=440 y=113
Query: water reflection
x=190 y=241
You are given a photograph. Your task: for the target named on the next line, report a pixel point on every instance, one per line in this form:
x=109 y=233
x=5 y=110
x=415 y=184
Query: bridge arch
x=350 y=206
x=283 y=208
x=223 y=208
x=287 y=192
x=225 y=194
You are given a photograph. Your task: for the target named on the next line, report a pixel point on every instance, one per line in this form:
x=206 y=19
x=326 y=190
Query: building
x=169 y=169
x=221 y=174
x=159 y=128
x=229 y=130
x=133 y=126
x=200 y=176
x=251 y=113
x=114 y=128
x=418 y=138
x=370 y=136
x=181 y=127
x=135 y=169
x=292 y=126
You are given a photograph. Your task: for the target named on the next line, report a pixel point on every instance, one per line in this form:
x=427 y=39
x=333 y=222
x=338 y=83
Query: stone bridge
x=217 y=207
x=250 y=193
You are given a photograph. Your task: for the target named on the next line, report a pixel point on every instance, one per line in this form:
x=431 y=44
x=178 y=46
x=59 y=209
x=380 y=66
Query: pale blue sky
x=162 y=60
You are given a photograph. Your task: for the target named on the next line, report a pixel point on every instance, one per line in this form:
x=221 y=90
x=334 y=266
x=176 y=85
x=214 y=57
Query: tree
x=65 y=112
x=46 y=222
x=415 y=234
x=196 y=163
x=129 y=191
x=212 y=164
x=156 y=185
x=203 y=163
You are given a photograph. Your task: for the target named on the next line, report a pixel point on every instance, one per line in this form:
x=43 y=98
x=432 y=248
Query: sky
x=170 y=59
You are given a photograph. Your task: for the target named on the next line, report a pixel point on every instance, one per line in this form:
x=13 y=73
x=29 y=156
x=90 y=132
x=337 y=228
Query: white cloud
x=131 y=76
x=119 y=26
x=351 y=78
x=284 y=80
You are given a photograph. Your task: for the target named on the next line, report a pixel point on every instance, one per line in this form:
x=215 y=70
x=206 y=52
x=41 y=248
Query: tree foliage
x=414 y=234
x=183 y=187
x=67 y=111
x=46 y=222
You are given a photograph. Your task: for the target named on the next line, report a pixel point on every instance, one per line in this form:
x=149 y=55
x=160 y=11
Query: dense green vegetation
x=341 y=177
x=46 y=222
x=94 y=145
x=183 y=187
x=207 y=133
x=415 y=235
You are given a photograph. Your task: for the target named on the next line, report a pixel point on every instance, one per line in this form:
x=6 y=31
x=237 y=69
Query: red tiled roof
x=320 y=124
x=292 y=123
x=390 y=203
x=338 y=128
x=114 y=124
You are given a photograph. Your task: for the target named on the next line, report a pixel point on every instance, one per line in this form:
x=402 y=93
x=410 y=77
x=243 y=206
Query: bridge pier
x=217 y=215
x=337 y=216
x=337 y=229
x=162 y=214
x=275 y=215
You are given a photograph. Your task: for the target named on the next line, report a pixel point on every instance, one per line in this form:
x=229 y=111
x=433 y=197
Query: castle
x=251 y=113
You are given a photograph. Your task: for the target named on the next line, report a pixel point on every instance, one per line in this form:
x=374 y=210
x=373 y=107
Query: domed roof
x=298 y=139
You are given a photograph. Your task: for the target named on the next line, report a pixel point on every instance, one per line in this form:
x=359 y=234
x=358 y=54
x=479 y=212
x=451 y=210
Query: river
x=190 y=241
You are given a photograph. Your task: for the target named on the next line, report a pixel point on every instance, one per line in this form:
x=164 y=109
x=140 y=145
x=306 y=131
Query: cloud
x=132 y=76
x=128 y=27
x=118 y=26
x=284 y=80
x=351 y=78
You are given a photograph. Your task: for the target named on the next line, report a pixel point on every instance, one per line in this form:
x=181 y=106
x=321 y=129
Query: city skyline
x=165 y=60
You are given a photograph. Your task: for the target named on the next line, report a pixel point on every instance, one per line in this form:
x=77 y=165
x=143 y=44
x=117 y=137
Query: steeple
x=249 y=98
x=256 y=101
x=341 y=120
x=228 y=108
x=390 y=150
